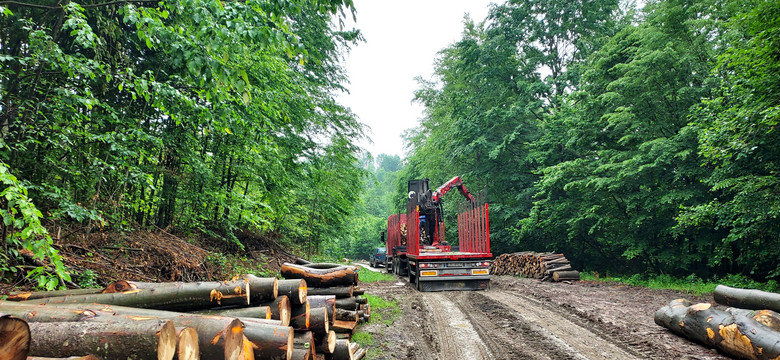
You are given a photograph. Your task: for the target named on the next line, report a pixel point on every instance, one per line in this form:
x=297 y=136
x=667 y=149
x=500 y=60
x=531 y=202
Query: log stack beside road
x=542 y=266
x=247 y=317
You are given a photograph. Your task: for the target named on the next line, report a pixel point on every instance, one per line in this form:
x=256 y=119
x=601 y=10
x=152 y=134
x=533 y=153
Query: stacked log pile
x=245 y=318
x=334 y=287
x=543 y=266
x=749 y=333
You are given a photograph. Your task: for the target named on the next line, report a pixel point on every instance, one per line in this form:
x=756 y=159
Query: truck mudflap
x=439 y=284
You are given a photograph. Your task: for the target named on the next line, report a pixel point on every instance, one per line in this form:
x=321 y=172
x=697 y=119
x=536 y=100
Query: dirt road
x=526 y=319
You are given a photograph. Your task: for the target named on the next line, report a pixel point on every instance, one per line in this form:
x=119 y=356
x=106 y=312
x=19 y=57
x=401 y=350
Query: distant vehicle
x=378 y=257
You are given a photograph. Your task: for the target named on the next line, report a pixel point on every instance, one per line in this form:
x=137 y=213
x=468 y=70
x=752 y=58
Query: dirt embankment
x=527 y=319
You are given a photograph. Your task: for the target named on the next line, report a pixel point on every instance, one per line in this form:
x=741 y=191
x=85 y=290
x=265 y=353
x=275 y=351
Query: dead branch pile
x=743 y=333
x=246 y=317
x=543 y=266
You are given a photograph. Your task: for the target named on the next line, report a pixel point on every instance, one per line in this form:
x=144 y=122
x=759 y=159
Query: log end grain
x=234 y=340
x=187 y=347
x=14 y=338
x=166 y=345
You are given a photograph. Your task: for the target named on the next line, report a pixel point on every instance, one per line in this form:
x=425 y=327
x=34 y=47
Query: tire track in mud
x=455 y=336
x=572 y=340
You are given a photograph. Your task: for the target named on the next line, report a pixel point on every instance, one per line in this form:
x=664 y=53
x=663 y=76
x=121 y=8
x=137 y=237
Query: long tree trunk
x=257 y=312
x=140 y=339
x=339 y=291
x=739 y=336
x=747 y=298
x=181 y=296
x=768 y=318
x=337 y=276
x=30 y=295
x=14 y=338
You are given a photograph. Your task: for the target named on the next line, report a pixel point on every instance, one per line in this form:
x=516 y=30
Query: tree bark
x=280 y=309
x=14 y=338
x=305 y=340
x=350 y=303
x=181 y=296
x=37 y=313
x=30 y=295
x=326 y=344
x=341 y=351
x=336 y=276
x=739 y=336
x=566 y=275
x=346 y=315
x=140 y=339
x=326 y=301
x=768 y=318
x=300 y=316
x=747 y=298
x=267 y=337
x=256 y=312
x=295 y=289
x=300 y=354
x=319 y=323
x=339 y=291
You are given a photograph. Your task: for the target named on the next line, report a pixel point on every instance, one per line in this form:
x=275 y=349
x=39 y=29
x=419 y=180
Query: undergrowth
x=690 y=284
x=375 y=276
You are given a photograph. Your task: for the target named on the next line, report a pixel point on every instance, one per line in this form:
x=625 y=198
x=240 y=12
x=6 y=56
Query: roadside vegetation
x=691 y=284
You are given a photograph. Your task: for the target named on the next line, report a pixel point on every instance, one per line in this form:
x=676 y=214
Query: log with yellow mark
x=736 y=333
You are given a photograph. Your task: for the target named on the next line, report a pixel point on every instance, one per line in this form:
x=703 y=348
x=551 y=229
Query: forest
x=632 y=139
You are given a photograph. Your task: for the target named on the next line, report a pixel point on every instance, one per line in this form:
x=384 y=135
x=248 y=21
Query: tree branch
x=54 y=7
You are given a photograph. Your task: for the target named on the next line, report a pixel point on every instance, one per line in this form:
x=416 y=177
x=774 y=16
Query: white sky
x=402 y=39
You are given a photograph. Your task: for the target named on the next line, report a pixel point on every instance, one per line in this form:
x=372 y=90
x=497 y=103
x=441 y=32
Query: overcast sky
x=402 y=39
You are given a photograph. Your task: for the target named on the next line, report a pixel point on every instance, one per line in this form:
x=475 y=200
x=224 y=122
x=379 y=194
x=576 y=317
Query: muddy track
x=502 y=325
x=527 y=319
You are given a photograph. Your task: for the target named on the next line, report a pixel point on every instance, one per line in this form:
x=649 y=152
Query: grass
x=374 y=276
x=690 y=284
x=382 y=311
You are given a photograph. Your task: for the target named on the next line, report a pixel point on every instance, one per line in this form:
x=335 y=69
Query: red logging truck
x=416 y=246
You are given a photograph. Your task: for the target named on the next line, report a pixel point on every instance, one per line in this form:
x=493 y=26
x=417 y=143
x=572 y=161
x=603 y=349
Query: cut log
x=299 y=317
x=300 y=354
x=341 y=326
x=300 y=261
x=359 y=354
x=341 y=352
x=358 y=291
x=566 y=275
x=739 y=336
x=267 y=338
x=37 y=313
x=181 y=296
x=747 y=298
x=280 y=309
x=139 y=339
x=337 y=276
x=326 y=301
x=305 y=340
x=30 y=295
x=339 y=291
x=256 y=312
x=326 y=344
x=349 y=303
x=346 y=315
x=187 y=347
x=768 y=318
x=319 y=323
x=295 y=289
x=14 y=338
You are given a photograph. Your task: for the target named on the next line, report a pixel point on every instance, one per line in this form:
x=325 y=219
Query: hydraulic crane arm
x=454 y=182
